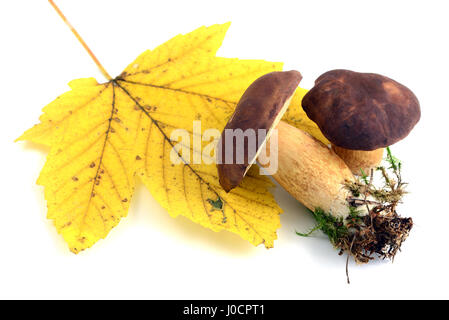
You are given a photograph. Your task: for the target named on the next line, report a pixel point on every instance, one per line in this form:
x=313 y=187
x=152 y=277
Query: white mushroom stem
x=312 y=173
x=358 y=160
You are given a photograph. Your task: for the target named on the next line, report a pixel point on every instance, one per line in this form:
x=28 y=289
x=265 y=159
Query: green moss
x=332 y=226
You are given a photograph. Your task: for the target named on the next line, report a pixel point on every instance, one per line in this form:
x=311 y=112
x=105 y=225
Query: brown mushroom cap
x=261 y=107
x=361 y=111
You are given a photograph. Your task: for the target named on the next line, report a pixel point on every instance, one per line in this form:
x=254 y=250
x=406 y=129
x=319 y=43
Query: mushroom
x=361 y=114
x=309 y=170
x=260 y=108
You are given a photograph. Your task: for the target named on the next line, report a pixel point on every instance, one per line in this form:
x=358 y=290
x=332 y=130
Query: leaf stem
x=102 y=69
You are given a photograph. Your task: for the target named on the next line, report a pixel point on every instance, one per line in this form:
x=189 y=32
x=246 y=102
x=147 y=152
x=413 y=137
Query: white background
x=150 y=255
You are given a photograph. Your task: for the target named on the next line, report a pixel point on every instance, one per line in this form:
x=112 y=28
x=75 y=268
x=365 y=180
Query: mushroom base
x=358 y=160
x=380 y=234
x=372 y=226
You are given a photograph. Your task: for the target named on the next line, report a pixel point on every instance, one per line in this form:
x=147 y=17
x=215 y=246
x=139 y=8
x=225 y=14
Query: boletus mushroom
x=355 y=221
x=361 y=114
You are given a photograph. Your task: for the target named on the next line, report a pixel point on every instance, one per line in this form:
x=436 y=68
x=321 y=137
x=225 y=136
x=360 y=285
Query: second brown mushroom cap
x=360 y=114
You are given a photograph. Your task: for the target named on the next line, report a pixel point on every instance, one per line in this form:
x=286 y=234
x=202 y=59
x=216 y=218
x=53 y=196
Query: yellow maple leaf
x=101 y=135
